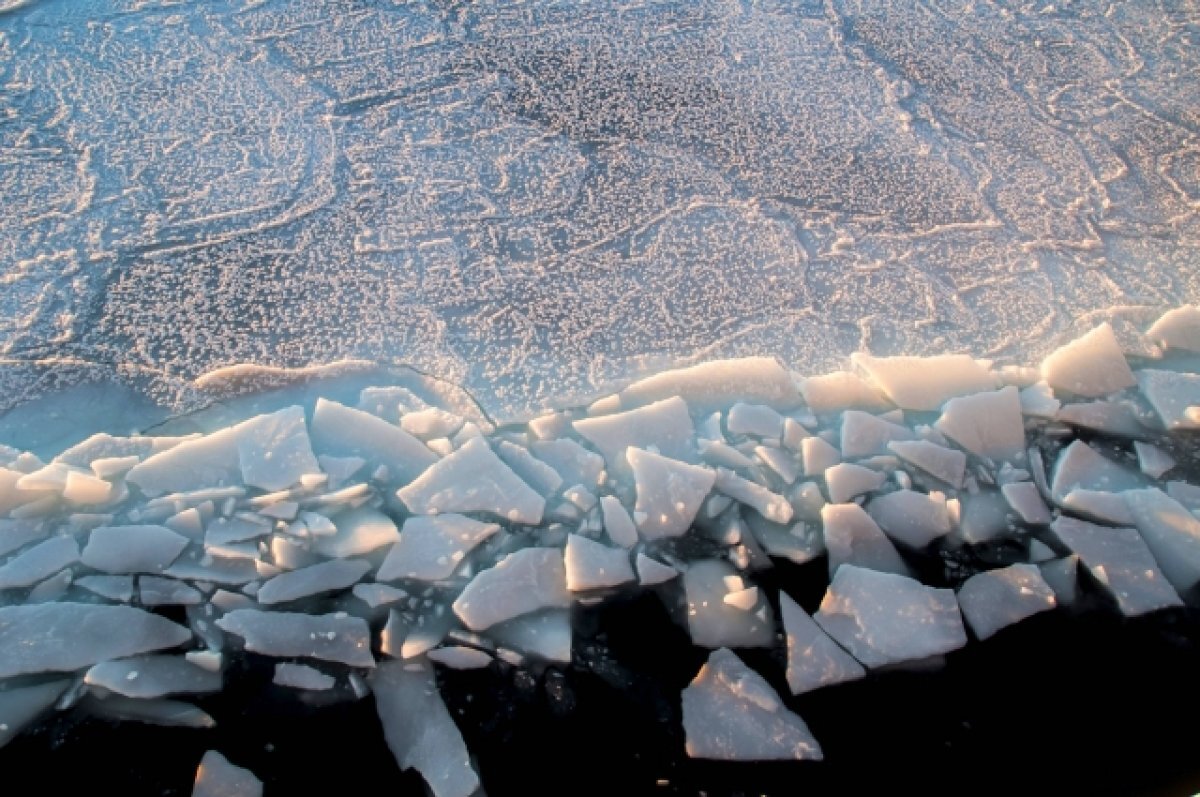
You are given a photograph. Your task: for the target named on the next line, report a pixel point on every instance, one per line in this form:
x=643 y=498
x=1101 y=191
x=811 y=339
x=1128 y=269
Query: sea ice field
x=708 y=397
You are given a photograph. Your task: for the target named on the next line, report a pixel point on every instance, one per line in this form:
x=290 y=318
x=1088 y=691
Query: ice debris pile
x=363 y=548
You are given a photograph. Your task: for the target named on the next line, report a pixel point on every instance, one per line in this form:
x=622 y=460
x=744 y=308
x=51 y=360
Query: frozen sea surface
x=537 y=199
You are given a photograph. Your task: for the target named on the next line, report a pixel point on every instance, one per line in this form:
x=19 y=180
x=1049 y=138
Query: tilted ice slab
x=814 y=659
x=995 y=599
x=474 y=479
x=731 y=713
x=664 y=425
x=669 y=493
x=522 y=582
x=153 y=676
x=329 y=637
x=431 y=548
x=217 y=777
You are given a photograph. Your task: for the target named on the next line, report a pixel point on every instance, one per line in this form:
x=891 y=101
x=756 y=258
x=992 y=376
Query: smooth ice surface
x=21 y=705
x=1120 y=561
x=217 y=777
x=38 y=562
x=669 y=493
x=592 y=565
x=865 y=435
x=1171 y=532
x=731 y=713
x=714 y=623
x=846 y=480
x=132 y=549
x=911 y=518
x=301 y=676
x=718 y=384
x=332 y=576
x=345 y=431
x=329 y=637
x=358 y=532
x=923 y=383
x=419 y=730
x=947 y=464
x=522 y=582
x=666 y=425
x=1178 y=328
x=883 y=618
x=1173 y=396
x=998 y=598
x=986 y=424
x=431 y=548
x=840 y=390
x=814 y=660
x=153 y=676
x=1081 y=466
x=63 y=637
x=474 y=479
x=1092 y=365
x=852 y=537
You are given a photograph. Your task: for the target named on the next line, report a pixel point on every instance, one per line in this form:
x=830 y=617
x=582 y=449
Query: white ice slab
x=64 y=637
x=160 y=591
x=1101 y=507
x=669 y=493
x=846 y=481
x=617 y=522
x=757 y=420
x=114 y=588
x=717 y=384
x=459 y=657
x=332 y=576
x=911 y=518
x=651 y=571
x=818 y=456
x=573 y=463
x=20 y=706
x=301 y=676
x=590 y=565
x=983 y=517
x=1120 y=561
x=341 y=430
x=431 y=548
x=883 y=618
x=84 y=489
x=544 y=635
x=329 y=637
x=781 y=461
x=1080 y=465
x=1038 y=401
x=153 y=676
x=1152 y=460
x=1174 y=396
x=216 y=777
x=537 y=474
x=132 y=549
x=275 y=452
x=852 y=537
x=38 y=562
x=524 y=581
x=16 y=534
x=1113 y=418
x=431 y=422
x=359 y=532
x=1178 y=329
x=997 y=599
x=730 y=713
x=772 y=506
x=986 y=424
x=865 y=435
x=1091 y=366
x=419 y=730
x=665 y=425
x=1171 y=532
x=945 y=464
x=713 y=623
x=841 y=390
x=474 y=479
x=1025 y=500
x=924 y=383
x=814 y=659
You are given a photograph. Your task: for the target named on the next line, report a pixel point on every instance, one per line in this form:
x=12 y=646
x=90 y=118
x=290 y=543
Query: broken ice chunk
x=998 y=598
x=617 y=522
x=20 y=706
x=814 y=659
x=474 y=479
x=459 y=657
x=524 y=581
x=83 y=489
x=537 y=474
x=852 y=537
x=329 y=637
x=159 y=591
x=430 y=423
x=1171 y=532
x=216 y=777
x=713 y=623
x=1119 y=559
x=301 y=676
x=331 y=576
x=818 y=456
x=717 y=384
x=651 y=571
x=376 y=595
x=338 y=429
x=1184 y=493
x=419 y=730
x=778 y=460
x=168 y=713
x=665 y=425
x=986 y=424
x=924 y=383
x=669 y=493
x=1063 y=577
x=770 y=505
x=883 y=618
x=730 y=713
x=754 y=419
x=431 y=548
x=847 y=480
x=42 y=560
x=275 y=452
x=840 y=390
x=64 y=637
x=938 y=461
x=546 y=635
x=911 y=518
x=1079 y=465
x=1099 y=506
x=132 y=549
x=1091 y=366
x=16 y=534
x=152 y=676
x=114 y=588
x=1152 y=460
x=1178 y=329
x=590 y=565
x=865 y=435
x=1115 y=418
x=359 y=532
x=984 y=517
x=1174 y=396
x=1037 y=401
x=574 y=463
x=1025 y=499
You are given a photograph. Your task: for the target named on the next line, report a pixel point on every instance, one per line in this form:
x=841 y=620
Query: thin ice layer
x=329 y=637
x=431 y=548
x=731 y=713
x=153 y=676
x=522 y=582
x=474 y=479
x=64 y=637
